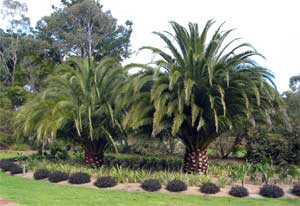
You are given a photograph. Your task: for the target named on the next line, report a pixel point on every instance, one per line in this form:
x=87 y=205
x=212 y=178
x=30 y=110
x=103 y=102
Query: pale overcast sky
x=271 y=26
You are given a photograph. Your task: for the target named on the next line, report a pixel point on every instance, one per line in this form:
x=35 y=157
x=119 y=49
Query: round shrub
x=239 y=191
x=79 y=178
x=58 y=176
x=41 y=174
x=296 y=189
x=16 y=170
x=151 y=185
x=6 y=165
x=105 y=181
x=209 y=188
x=271 y=191
x=176 y=186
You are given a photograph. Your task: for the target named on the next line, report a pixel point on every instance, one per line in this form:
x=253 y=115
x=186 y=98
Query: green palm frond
x=204 y=86
x=84 y=98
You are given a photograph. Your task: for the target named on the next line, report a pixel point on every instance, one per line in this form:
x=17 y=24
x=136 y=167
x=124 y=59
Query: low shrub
x=16 y=170
x=151 y=185
x=105 y=181
x=239 y=191
x=209 y=188
x=296 y=189
x=136 y=162
x=6 y=165
x=271 y=191
x=176 y=186
x=79 y=178
x=41 y=174
x=58 y=176
x=281 y=148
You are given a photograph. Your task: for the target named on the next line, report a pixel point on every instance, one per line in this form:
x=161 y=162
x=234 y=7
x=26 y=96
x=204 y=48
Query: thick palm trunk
x=195 y=161
x=93 y=159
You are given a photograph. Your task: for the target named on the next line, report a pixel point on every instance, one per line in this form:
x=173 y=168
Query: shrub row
x=143 y=162
x=150 y=185
x=135 y=162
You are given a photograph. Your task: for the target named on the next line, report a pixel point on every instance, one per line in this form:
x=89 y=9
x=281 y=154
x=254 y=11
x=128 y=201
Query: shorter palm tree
x=79 y=103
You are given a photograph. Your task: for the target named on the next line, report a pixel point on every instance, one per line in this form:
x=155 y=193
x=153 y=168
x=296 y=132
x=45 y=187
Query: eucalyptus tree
x=205 y=87
x=81 y=102
x=15 y=14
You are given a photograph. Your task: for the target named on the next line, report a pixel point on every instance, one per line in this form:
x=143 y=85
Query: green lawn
x=8 y=155
x=31 y=192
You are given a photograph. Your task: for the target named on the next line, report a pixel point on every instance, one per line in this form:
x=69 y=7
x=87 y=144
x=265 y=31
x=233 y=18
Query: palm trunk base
x=93 y=160
x=195 y=161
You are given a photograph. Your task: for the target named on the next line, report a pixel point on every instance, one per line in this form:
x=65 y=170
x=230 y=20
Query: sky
x=271 y=26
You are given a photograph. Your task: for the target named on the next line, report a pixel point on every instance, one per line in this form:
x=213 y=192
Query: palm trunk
x=94 y=160
x=195 y=161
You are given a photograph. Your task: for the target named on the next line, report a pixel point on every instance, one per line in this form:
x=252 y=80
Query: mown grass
x=27 y=192
x=5 y=155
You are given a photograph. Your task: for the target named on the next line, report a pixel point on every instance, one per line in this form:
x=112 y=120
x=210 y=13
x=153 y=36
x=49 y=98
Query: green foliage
x=222 y=181
x=120 y=174
x=282 y=148
x=199 y=90
x=6 y=118
x=12 y=97
x=57 y=151
x=79 y=103
x=240 y=173
x=153 y=146
x=20 y=146
x=294 y=172
x=266 y=169
x=143 y=162
x=96 y=34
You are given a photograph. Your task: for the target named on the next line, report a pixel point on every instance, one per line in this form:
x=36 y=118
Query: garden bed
x=191 y=190
x=15 y=189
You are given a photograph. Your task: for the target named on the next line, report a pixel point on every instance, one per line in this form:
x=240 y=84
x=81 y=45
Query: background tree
x=206 y=89
x=82 y=28
x=15 y=13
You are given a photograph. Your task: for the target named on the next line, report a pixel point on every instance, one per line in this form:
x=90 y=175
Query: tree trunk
x=195 y=161
x=94 y=160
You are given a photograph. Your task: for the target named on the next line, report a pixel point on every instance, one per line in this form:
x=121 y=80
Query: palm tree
x=203 y=88
x=81 y=102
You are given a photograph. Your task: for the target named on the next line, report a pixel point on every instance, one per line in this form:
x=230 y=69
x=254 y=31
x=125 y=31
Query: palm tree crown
x=206 y=87
x=81 y=101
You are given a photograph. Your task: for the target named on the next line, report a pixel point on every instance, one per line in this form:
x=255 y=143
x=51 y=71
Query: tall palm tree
x=204 y=88
x=81 y=101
